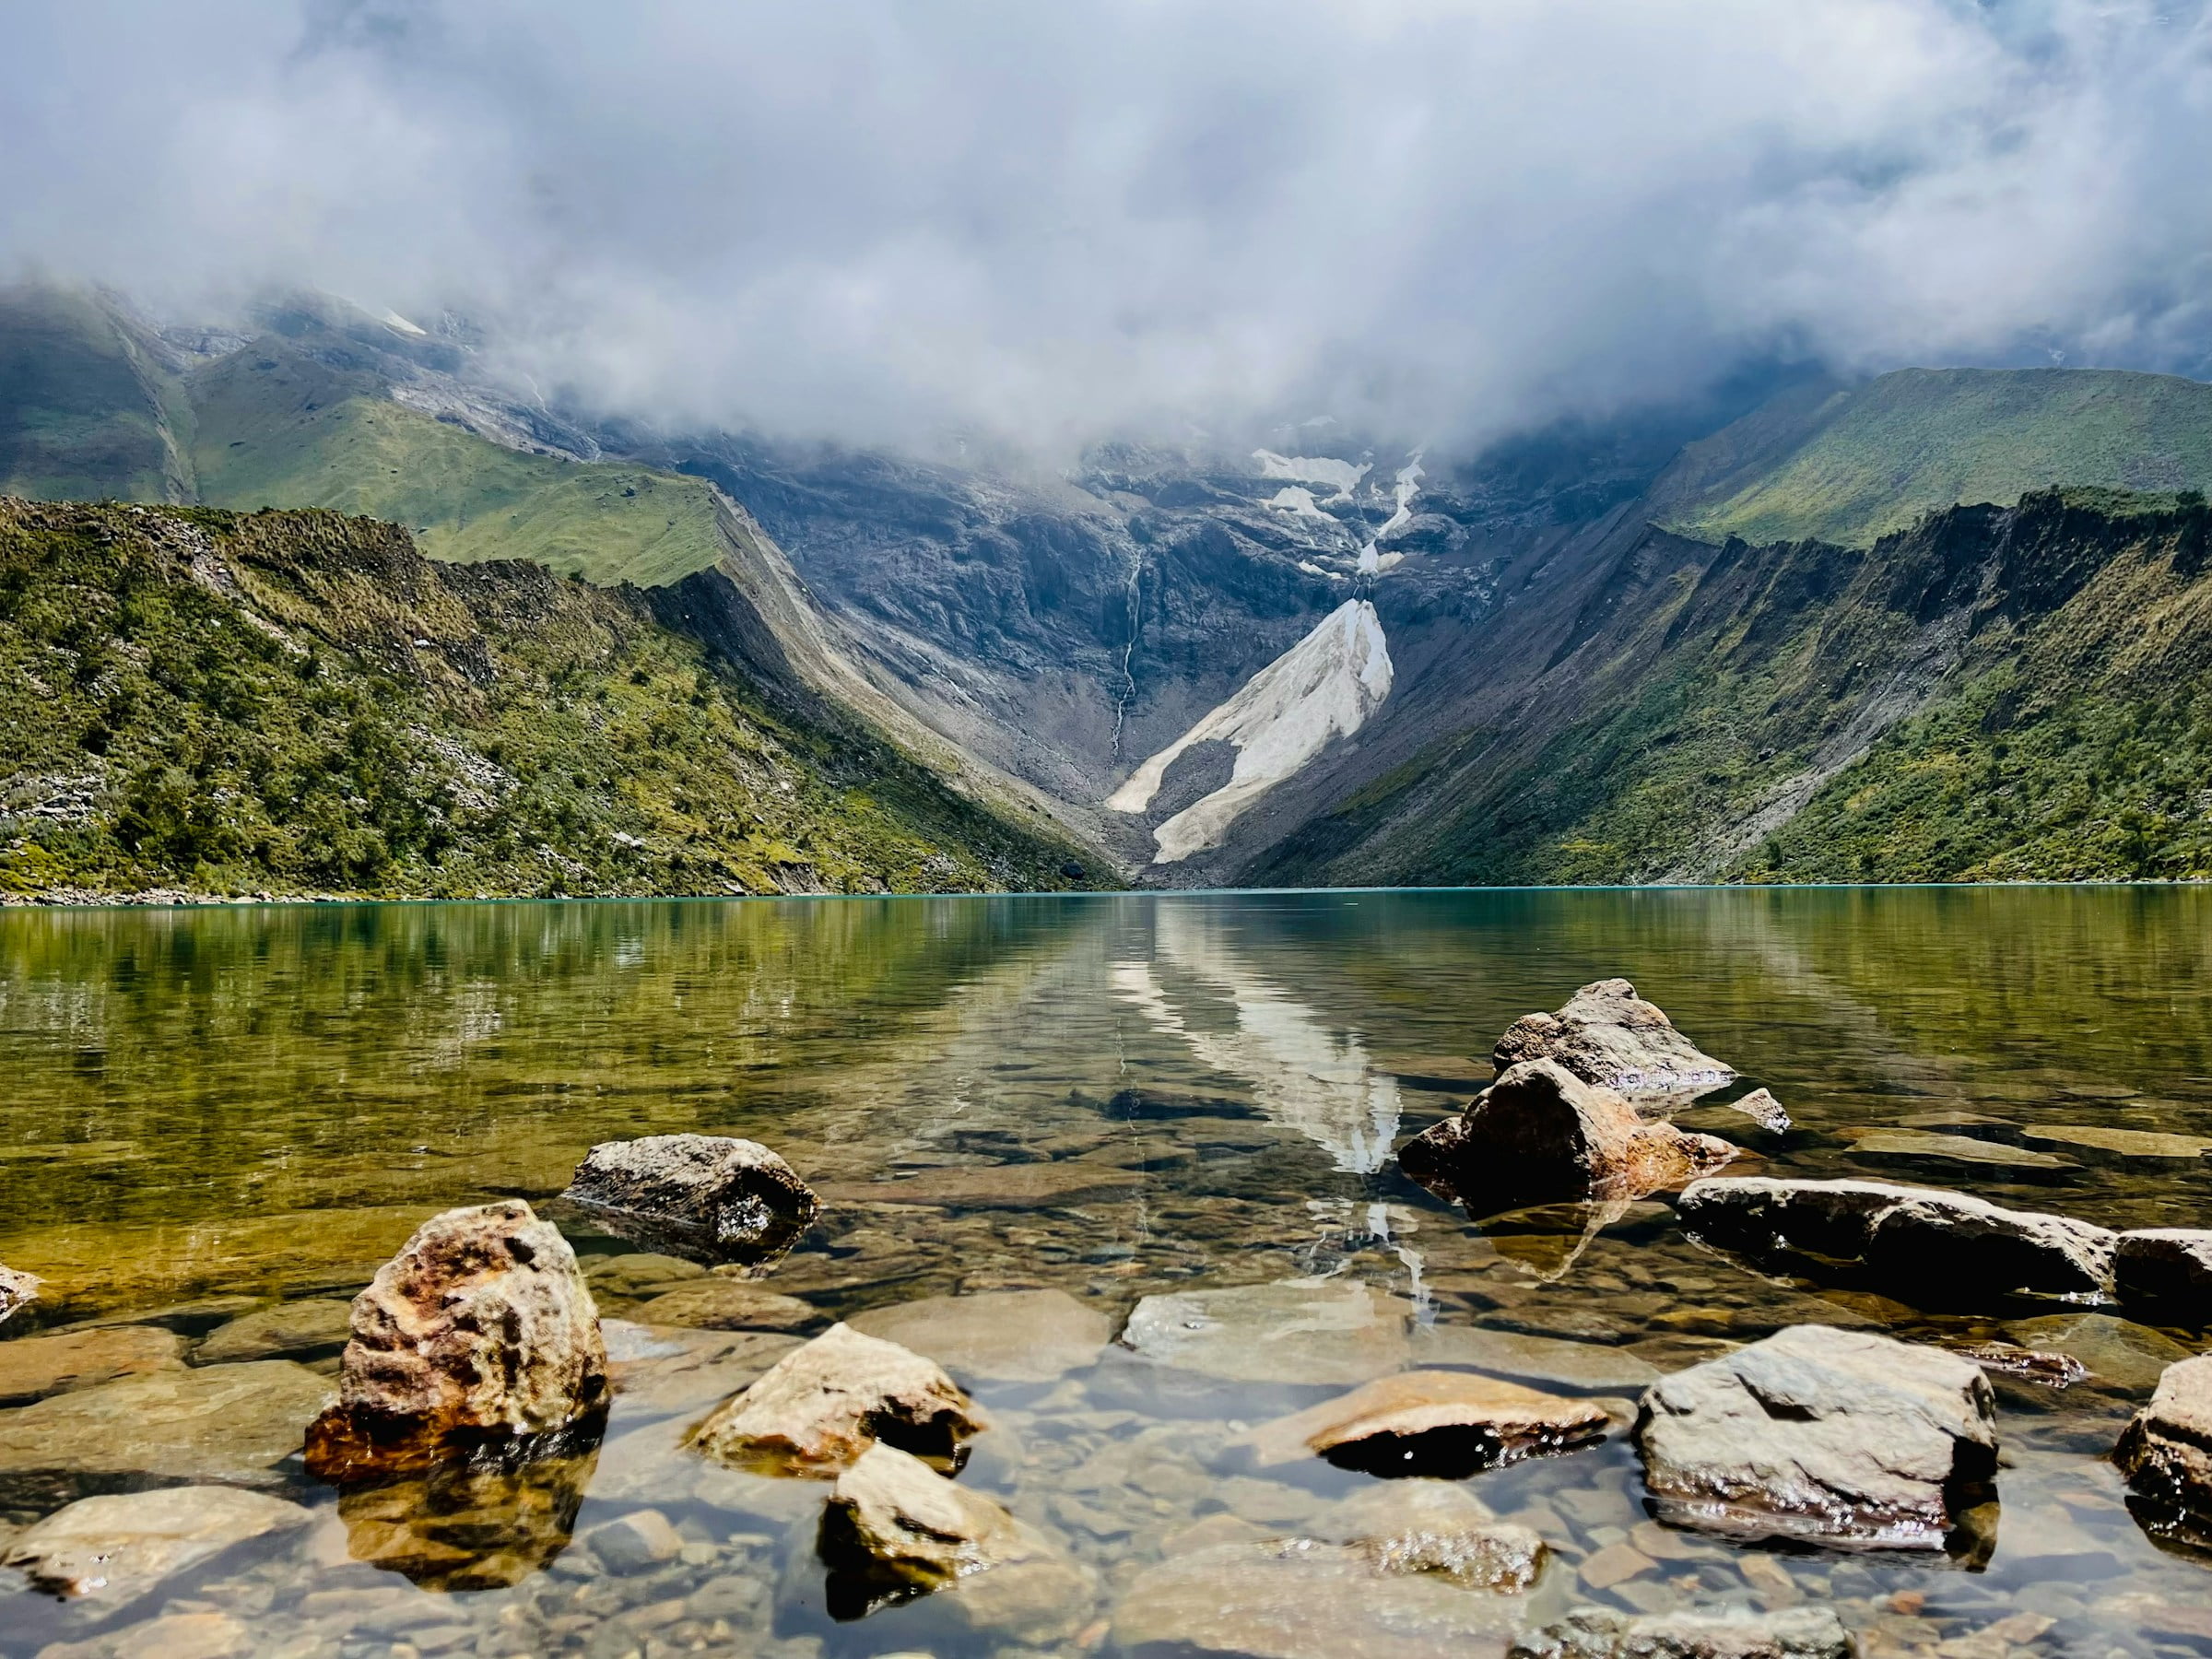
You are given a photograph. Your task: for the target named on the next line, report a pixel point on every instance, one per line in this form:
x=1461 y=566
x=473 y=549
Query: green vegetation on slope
x=299 y=702
x=87 y=411
x=278 y=429
x=1849 y=467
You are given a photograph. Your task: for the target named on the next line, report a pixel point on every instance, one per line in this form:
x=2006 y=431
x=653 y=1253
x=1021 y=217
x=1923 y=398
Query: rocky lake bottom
x=1123 y=1166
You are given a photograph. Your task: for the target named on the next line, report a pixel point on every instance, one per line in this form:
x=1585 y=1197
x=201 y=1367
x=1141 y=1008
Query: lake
x=216 y=1117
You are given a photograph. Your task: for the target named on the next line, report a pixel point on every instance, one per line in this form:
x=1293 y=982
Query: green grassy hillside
x=299 y=702
x=1850 y=465
x=88 y=410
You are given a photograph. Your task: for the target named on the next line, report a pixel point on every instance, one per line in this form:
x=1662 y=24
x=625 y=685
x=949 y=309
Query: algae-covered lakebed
x=217 y=1123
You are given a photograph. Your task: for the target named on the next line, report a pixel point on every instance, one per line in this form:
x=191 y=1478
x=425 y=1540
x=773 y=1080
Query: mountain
x=300 y=702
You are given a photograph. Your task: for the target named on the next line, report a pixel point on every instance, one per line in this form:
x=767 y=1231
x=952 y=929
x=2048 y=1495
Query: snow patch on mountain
x=1372 y=561
x=1343 y=476
x=1293 y=497
x=1326 y=686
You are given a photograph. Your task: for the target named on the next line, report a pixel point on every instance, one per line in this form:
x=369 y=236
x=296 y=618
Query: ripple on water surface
x=1027 y=1116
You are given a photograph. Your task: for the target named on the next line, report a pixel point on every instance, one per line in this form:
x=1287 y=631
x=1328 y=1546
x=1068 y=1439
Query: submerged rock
x=33 y=1367
x=1932 y=1243
x=479 y=1332
x=1300 y=1598
x=16 y=1290
x=2167 y=1269
x=728 y=1304
x=227 y=1424
x=714 y=1197
x=1541 y=1133
x=119 y=1547
x=2166 y=1454
x=468 y=1526
x=1608 y=1036
x=1001 y=1335
x=894 y=1527
x=820 y=1407
x=1318 y=1331
x=1608 y=1633
x=1439 y=1527
x=311 y=1329
x=1832 y=1436
x=1433 y=1422
x=667 y=1370
x=2117 y=1352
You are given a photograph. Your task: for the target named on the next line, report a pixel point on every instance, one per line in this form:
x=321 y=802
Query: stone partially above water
x=894 y=1520
x=480 y=1330
x=16 y=1290
x=1607 y=1035
x=1317 y=1331
x=1826 y=1435
x=1001 y=1335
x=2166 y=1454
x=1608 y=1633
x=33 y=1367
x=1541 y=1133
x=714 y=1197
x=1442 y=1423
x=1933 y=1244
x=2167 y=1269
x=817 y=1410
x=119 y=1547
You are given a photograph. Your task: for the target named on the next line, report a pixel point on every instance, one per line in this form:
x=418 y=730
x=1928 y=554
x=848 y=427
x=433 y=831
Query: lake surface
x=210 y=1112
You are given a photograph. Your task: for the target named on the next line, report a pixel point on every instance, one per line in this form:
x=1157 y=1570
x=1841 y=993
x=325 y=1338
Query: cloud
x=878 y=219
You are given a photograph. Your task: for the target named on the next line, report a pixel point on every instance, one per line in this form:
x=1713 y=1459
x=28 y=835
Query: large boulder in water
x=1607 y=1035
x=820 y=1409
x=1822 y=1434
x=1931 y=1244
x=481 y=1332
x=709 y=1196
x=1540 y=1133
x=894 y=1527
x=16 y=1290
x=2166 y=1454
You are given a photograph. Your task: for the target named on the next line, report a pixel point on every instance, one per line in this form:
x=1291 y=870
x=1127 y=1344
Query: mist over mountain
x=978 y=230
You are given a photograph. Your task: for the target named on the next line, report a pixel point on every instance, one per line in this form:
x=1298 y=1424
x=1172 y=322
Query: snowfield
x=1341 y=475
x=1326 y=686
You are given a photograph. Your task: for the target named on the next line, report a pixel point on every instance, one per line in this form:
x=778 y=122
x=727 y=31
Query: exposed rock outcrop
x=121 y=1545
x=1439 y=1423
x=1608 y=1633
x=16 y=1290
x=1926 y=1243
x=1607 y=1035
x=480 y=1333
x=2166 y=1454
x=2167 y=1269
x=710 y=1197
x=1541 y=1133
x=1834 y=1436
x=820 y=1407
x=894 y=1527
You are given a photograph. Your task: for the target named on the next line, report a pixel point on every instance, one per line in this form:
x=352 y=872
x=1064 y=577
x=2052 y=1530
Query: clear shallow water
x=1114 y=1097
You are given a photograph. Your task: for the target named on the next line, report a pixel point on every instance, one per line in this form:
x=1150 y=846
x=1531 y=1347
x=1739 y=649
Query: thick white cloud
x=877 y=218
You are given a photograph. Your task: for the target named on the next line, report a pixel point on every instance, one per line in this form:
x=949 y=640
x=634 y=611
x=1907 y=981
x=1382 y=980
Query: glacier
x=1326 y=686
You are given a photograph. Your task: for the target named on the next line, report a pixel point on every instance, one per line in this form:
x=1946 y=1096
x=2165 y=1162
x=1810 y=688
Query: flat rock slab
x=310 y=1329
x=2129 y=1143
x=1300 y=1599
x=1824 y=1435
x=1431 y=1422
x=1329 y=1332
x=33 y=1367
x=2115 y=1352
x=999 y=1336
x=1590 y=1365
x=1435 y=1526
x=229 y=1424
x=1958 y=1149
x=119 y=1547
x=728 y=1304
x=1608 y=1633
x=670 y=1369
x=993 y=1186
x=638 y=1273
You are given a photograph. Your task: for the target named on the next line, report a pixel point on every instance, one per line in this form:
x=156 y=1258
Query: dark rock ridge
x=1607 y=1035
x=2166 y=1454
x=479 y=1336
x=1925 y=1242
x=1540 y=1133
x=1825 y=1435
x=710 y=1197
x=1608 y=1633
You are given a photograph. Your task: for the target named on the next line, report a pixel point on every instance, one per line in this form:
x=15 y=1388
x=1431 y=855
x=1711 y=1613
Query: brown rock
x=481 y=1330
x=1431 y=1422
x=1607 y=1035
x=727 y=1304
x=1541 y=1133
x=2166 y=1454
x=34 y=1367
x=817 y=1410
x=712 y=1197
x=119 y=1547
x=1004 y=1336
x=16 y=1290
x=898 y=1528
